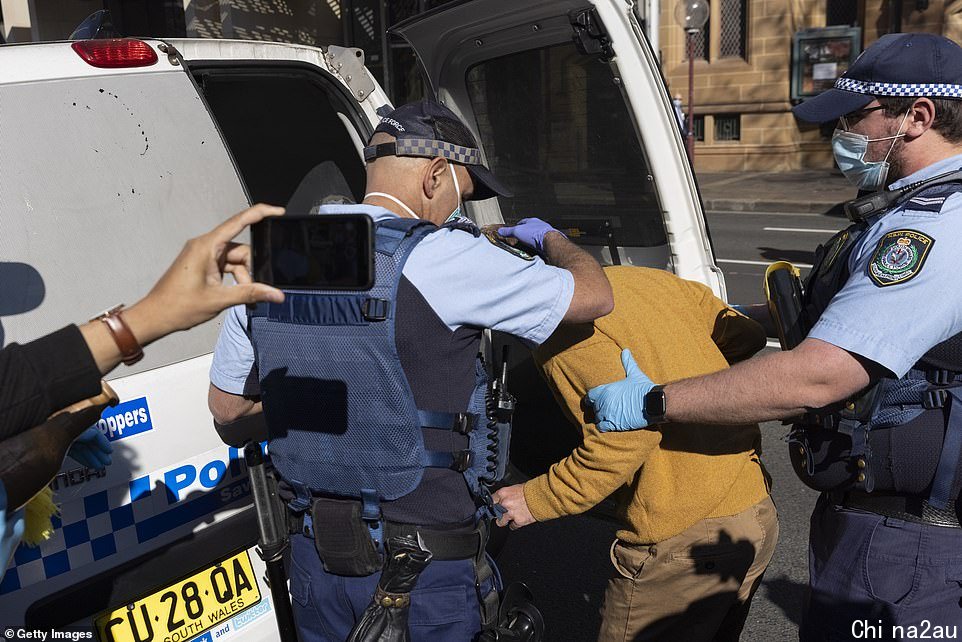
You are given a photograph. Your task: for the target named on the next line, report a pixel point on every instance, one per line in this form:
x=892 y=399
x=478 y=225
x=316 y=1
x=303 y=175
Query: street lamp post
x=691 y=15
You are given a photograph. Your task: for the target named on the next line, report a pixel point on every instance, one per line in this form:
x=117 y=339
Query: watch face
x=655 y=404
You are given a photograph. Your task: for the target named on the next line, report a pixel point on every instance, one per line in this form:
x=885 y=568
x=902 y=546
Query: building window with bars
x=734 y=29
x=728 y=128
x=698 y=127
x=700 y=42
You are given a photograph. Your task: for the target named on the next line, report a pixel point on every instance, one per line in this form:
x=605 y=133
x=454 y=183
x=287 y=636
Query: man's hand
x=530 y=231
x=91 y=449
x=517 y=515
x=192 y=290
x=621 y=405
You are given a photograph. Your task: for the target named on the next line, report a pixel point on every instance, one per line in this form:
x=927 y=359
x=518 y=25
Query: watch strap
x=130 y=349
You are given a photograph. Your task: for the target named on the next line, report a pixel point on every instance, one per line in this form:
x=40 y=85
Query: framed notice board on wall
x=820 y=56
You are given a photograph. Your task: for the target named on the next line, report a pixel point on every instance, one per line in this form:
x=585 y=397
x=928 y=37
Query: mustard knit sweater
x=669 y=478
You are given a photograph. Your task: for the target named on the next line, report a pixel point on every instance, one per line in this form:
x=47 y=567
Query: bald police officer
x=375 y=402
x=877 y=380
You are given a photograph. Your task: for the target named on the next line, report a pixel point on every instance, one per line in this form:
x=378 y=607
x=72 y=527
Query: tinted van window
x=280 y=123
x=555 y=127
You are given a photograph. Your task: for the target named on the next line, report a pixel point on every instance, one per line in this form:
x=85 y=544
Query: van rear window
x=280 y=123
x=574 y=158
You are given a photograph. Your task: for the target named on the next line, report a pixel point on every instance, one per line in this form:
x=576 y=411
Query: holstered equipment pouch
x=783 y=290
x=343 y=539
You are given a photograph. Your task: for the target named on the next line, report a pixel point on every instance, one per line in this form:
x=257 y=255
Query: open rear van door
x=572 y=112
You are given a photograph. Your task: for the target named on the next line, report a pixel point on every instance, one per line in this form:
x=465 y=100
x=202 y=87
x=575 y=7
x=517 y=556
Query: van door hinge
x=589 y=34
x=348 y=63
x=173 y=56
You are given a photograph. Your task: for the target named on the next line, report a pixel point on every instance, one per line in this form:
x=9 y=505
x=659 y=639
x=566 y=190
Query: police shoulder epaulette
x=932 y=200
x=463 y=224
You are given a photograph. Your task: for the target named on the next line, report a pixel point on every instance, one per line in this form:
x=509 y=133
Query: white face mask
x=392 y=198
x=457 y=189
x=849 y=150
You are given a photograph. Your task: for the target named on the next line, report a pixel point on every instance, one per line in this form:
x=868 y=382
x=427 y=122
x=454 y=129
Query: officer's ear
x=433 y=176
x=920 y=119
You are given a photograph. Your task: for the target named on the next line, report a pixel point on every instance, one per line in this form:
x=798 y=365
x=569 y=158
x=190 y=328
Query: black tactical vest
x=892 y=436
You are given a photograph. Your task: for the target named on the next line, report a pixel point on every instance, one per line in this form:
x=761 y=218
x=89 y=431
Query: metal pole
x=386 y=58
x=690 y=138
x=895 y=22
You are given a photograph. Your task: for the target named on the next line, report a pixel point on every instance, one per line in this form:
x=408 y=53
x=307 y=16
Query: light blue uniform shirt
x=904 y=295
x=467 y=281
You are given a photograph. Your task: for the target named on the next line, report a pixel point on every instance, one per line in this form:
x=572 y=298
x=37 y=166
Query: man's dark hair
x=948 y=113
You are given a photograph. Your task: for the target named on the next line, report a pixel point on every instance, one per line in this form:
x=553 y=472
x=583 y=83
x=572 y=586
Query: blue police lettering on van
x=126 y=419
x=180 y=481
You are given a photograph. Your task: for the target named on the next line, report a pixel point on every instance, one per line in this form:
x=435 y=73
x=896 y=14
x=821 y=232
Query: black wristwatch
x=655 y=406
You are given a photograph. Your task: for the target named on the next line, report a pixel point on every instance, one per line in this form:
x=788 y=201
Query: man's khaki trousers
x=694 y=586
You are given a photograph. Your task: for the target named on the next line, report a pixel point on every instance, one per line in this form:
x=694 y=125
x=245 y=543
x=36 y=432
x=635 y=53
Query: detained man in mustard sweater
x=699 y=528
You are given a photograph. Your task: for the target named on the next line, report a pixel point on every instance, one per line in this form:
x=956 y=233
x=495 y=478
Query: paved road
x=565 y=562
x=746 y=242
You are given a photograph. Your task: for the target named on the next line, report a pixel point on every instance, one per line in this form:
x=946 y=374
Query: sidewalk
x=806 y=191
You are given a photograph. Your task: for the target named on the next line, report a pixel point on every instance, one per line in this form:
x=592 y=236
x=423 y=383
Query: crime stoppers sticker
x=899 y=257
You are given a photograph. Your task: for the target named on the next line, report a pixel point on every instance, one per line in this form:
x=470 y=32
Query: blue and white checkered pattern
x=899 y=89
x=111 y=521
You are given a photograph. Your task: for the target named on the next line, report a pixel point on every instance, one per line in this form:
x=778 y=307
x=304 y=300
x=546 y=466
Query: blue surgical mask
x=457 y=189
x=849 y=149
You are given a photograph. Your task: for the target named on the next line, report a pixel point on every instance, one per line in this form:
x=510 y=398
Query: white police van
x=112 y=153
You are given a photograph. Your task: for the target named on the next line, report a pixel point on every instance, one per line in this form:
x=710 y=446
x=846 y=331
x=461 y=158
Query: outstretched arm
x=592 y=295
x=773 y=386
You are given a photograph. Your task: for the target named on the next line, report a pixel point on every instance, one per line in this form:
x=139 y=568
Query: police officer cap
x=897 y=64
x=428 y=129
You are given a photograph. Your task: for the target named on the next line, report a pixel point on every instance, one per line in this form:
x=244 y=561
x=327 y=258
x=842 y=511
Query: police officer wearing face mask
x=875 y=388
x=375 y=402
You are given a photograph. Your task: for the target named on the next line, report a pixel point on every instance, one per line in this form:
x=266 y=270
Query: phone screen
x=314 y=252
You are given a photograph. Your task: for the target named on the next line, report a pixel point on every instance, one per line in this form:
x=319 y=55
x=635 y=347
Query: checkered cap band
x=899 y=89
x=429 y=148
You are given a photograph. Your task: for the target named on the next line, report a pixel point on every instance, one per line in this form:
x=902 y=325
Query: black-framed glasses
x=851 y=118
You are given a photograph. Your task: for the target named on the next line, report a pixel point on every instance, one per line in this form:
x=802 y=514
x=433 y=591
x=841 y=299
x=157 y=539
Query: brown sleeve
x=737 y=336
x=605 y=461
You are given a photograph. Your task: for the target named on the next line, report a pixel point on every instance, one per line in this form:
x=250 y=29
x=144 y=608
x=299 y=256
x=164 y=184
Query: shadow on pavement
x=794 y=256
x=787 y=595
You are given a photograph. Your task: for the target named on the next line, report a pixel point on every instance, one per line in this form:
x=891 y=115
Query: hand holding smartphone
x=314 y=252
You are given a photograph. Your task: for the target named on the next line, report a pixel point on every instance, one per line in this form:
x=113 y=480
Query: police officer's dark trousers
x=874 y=577
x=444 y=605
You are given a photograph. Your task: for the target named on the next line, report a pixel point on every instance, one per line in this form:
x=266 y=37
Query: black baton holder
x=273 y=538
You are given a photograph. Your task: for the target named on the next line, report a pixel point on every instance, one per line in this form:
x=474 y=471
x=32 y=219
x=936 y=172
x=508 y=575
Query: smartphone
x=314 y=252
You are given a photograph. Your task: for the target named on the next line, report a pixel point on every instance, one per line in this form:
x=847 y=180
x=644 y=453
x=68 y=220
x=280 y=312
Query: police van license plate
x=187 y=608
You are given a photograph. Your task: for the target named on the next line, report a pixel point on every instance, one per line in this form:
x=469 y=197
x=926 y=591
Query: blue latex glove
x=530 y=231
x=621 y=405
x=91 y=449
x=11 y=530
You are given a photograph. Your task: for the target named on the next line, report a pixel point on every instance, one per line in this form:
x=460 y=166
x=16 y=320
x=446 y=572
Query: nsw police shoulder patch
x=491 y=234
x=899 y=257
